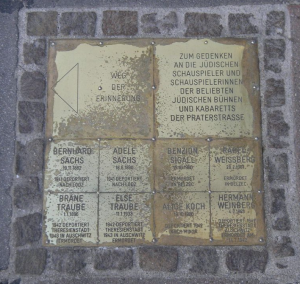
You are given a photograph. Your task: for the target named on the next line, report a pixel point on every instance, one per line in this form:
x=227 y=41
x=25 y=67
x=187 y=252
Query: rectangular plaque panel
x=72 y=166
x=206 y=88
x=100 y=91
x=153 y=142
x=181 y=165
x=125 y=219
x=126 y=166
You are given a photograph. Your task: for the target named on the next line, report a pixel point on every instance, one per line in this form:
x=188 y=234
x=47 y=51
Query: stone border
x=274 y=262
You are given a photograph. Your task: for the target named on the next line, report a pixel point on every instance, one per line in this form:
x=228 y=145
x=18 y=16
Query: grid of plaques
x=153 y=142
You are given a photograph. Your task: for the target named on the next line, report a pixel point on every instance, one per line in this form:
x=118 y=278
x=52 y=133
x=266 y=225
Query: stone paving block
x=31 y=117
x=278 y=200
x=282 y=247
x=31 y=261
x=275 y=23
x=169 y=22
x=240 y=24
x=204 y=261
x=42 y=23
x=277 y=129
x=33 y=85
x=114 y=259
x=274 y=54
x=35 y=52
x=275 y=93
x=158 y=259
x=282 y=223
x=28 y=229
x=69 y=260
x=27 y=193
x=202 y=24
x=278 y=170
x=247 y=261
x=150 y=23
x=120 y=23
x=78 y=24
x=29 y=157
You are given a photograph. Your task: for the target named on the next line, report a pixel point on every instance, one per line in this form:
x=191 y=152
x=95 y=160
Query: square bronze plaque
x=153 y=142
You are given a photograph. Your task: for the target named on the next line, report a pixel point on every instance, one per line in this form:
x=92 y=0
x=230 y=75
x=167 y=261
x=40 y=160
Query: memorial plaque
x=153 y=142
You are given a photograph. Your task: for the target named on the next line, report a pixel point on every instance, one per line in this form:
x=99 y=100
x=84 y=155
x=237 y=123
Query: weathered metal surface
x=174 y=162
x=100 y=90
x=181 y=165
x=182 y=218
x=235 y=165
x=71 y=166
x=125 y=219
x=70 y=219
x=207 y=88
x=126 y=166
x=237 y=218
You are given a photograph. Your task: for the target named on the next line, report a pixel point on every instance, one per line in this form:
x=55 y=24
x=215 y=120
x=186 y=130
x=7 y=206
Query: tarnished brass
x=235 y=165
x=237 y=218
x=72 y=166
x=126 y=166
x=100 y=91
x=70 y=219
x=182 y=218
x=153 y=144
x=125 y=219
x=206 y=88
x=181 y=165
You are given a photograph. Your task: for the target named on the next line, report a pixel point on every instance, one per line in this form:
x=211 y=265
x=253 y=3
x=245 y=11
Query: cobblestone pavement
x=27 y=27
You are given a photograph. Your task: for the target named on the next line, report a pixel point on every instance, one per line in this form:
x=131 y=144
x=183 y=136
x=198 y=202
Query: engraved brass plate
x=153 y=144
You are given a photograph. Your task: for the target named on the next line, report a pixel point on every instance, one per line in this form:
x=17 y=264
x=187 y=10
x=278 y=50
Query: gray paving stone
x=42 y=23
x=274 y=50
x=33 y=85
x=31 y=261
x=151 y=24
x=158 y=259
x=78 y=24
x=27 y=193
x=204 y=261
x=169 y=22
x=29 y=158
x=282 y=223
x=240 y=24
x=277 y=129
x=8 y=94
x=282 y=247
x=247 y=261
x=275 y=93
x=35 y=52
x=202 y=24
x=28 y=229
x=31 y=117
x=114 y=259
x=278 y=200
x=275 y=24
x=69 y=260
x=120 y=23
x=278 y=170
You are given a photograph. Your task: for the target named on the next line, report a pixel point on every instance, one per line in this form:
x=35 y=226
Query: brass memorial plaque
x=153 y=142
